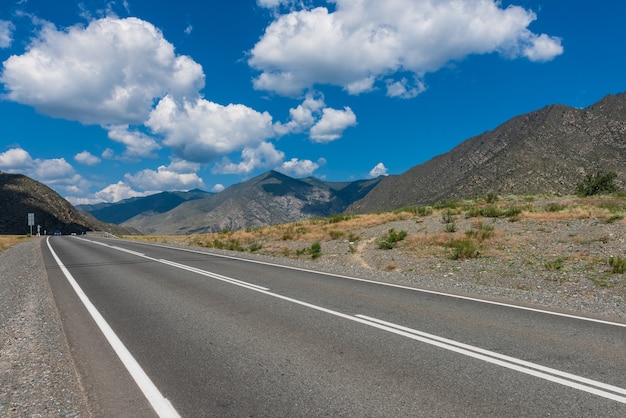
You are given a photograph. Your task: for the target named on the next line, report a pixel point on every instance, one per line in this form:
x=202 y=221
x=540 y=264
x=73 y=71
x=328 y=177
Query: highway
x=174 y=332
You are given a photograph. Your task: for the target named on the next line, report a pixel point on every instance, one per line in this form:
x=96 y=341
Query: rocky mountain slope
x=119 y=212
x=20 y=195
x=548 y=151
x=268 y=199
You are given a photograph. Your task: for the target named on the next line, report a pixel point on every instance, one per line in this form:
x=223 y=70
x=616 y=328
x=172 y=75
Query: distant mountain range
x=271 y=198
x=122 y=211
x=21 y=195
x=548 y=151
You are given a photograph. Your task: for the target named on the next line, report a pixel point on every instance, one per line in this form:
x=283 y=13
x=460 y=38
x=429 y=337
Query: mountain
x=271 y=198
x=126 y=209
x=548 y=151
x=21 y=195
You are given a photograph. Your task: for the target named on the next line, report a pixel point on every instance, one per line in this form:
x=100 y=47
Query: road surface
x=174 y=332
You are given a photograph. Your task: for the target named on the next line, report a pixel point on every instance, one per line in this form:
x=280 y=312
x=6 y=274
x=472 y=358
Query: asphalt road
x=207 y=335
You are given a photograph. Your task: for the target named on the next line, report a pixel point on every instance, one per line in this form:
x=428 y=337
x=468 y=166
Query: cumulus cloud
x=324 y=124
x=109 y=72
x=265 y=155
x=201 y=131
x=54 y=172
x=86 y=158
x=6 y=33
x=218 y=188
x=116 y=192
x=332 y=124
x=176 y=176
x=378 y=170
x=137 y=143
x=300 y=168
x=362 y=42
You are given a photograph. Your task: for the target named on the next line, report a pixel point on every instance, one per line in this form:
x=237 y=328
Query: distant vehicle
x=57 y=232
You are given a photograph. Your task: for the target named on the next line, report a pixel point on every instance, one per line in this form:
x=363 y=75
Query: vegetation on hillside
x=466 y=231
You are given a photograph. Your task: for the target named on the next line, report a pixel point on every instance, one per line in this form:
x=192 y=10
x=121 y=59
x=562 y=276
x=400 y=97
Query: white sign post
x=31 y=222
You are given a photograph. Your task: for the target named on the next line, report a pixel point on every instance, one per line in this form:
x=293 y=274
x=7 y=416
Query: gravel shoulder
x=37 y=374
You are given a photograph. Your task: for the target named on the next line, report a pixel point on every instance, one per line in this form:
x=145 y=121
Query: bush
x=463 y=249
x=618 y=264
x=597 y=183
x=315 y=250
x=389 y=241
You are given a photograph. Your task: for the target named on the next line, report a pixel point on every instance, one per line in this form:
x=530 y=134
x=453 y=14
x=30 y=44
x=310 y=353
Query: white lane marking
x=158 y=402
x=398 y=286
x=181 y=266
x=547 y=373
x=212 y=275
x=533 y=369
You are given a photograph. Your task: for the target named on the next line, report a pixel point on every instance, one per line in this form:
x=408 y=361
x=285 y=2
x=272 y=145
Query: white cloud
x=218 y=188
x=53 y=172
x=188 y=30
x=300 y=168
x=109 y=72
x=176 y=176
x=324 y=124
x=6 y=33
x=201 y=131
x=14 y=160
x=86 y=158
x=542 y=48
x=362 y=42
x=378 y=170
x=302 y=117
x=403 y=89
x=332 y=124
x=262 y=156
x=115 y=193
x=137 y=143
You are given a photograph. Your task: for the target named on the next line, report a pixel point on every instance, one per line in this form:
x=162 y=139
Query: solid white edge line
x=450 y=345
x=158 y=402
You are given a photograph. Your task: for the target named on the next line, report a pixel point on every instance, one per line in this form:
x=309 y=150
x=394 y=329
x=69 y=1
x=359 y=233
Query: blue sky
x=105 y=100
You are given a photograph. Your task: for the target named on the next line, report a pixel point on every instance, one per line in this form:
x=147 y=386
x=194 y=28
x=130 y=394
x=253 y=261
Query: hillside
x=271 y=198
x=20 y=195
x=548 y=151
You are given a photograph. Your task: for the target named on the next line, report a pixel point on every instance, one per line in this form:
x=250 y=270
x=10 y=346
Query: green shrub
x=447 y=217
x=315 y=250
x=390 y=239
x=618 y=264
x=424 y=210
x=338 y=217
x=463 y=249
x=555 y=207
x=556 y=264
x=597 y=183
x=450 y=227
x=491 y=197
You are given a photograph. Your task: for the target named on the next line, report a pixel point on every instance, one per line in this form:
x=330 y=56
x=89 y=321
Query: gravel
x=37 y=374
x=38 y=377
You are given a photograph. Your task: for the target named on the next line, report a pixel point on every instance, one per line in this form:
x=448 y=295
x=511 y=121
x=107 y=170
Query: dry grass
x=286 y=239
x=7 y=241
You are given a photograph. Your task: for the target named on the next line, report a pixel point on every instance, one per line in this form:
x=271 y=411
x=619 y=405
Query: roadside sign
x=31 y=222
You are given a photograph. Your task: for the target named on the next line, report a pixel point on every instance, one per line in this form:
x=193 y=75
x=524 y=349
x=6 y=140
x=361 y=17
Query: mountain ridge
x=547 y=151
